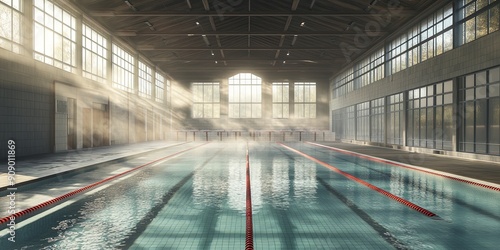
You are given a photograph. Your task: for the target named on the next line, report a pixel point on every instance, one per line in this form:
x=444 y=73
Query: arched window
x=245 y=96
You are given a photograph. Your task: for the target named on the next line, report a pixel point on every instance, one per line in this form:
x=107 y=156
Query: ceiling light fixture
x=294 y=39
x=302 y=24
x=216 y=62
x=129 y=4
x=288 y=53
x=206 y=40
x=197 y=23
x=213 y=54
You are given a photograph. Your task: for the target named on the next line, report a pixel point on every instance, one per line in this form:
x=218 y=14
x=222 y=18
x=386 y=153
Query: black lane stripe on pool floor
x=146 y=220
x=381 y=230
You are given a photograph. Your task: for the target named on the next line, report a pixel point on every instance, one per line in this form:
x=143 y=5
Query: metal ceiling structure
x=206 y=37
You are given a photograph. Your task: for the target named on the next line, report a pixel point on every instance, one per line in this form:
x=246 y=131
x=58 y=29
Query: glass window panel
x=494 y=18
x=494 y=90
x=494 y=75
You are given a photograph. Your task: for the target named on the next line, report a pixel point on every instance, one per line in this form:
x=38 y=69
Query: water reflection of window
x=280 y=184
x=304 y=182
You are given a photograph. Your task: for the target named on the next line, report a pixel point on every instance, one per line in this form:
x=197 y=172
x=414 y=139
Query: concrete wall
x=28 y=93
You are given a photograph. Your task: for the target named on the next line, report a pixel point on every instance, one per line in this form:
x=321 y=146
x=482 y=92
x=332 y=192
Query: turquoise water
x=197 y=201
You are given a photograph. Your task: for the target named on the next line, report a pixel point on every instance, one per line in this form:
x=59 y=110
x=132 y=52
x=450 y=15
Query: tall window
x=281 y=103
x=477 y=18
x=370 y=70
x=55 y=35
x=396 y=118
x=10 y=25
x=430 y=116
x=363 y=121
x=123 y=69
x=95 y=54
x=206 y=100
x=245 y=96
x=169 y=94
x=377 y=120
x=431 y=37
x=479 y=97
x=305 y=99
x=344 y=83
x=159 y=87
x=145 y=80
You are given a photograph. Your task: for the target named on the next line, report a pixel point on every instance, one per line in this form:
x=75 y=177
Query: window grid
x=159 y=87
x=477 y=18
x=430 y=116
x=479 y=96
x=55 y=35
x=431 y=37
x=123 y=69
x=145 y=80
x=169 y=93
x=305 y=100
x=95 y=54
x=206 y=99
x=369 y=70
x=343 y=84
x=377 y=120
x=363 y=121
x=245 y=96
x=10 y=25
x=281 y=102
x=396 y=118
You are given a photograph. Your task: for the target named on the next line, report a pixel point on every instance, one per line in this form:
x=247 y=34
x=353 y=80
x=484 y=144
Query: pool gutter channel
x=55 y=201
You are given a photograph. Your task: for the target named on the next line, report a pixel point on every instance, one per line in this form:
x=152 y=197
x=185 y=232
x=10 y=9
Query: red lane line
x=67 y=195
x=372 y=158
x=249 y=224
x=367 y=184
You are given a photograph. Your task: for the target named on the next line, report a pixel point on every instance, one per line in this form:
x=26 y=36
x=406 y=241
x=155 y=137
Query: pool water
x=197 y=201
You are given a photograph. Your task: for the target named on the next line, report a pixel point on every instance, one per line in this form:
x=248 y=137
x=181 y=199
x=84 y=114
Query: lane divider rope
x=365 y=183
x=80 y=190
x=249 y=223
x=398 y=164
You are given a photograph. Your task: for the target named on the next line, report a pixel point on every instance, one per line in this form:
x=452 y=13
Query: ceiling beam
x=188 y=2
x=112 y=13
x=295 y=4
x=302 y=33
x=304 y=60
x=152 y=48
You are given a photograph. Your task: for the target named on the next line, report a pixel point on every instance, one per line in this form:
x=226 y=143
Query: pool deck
x=476 y=169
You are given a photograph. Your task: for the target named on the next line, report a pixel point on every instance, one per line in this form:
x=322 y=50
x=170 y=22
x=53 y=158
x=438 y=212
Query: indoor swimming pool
x=303 y=196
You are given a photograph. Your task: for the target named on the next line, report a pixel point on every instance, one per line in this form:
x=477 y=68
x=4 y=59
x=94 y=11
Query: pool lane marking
x=365 y=183
x=421 y=169
x=72 y=193
x=249 y=224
